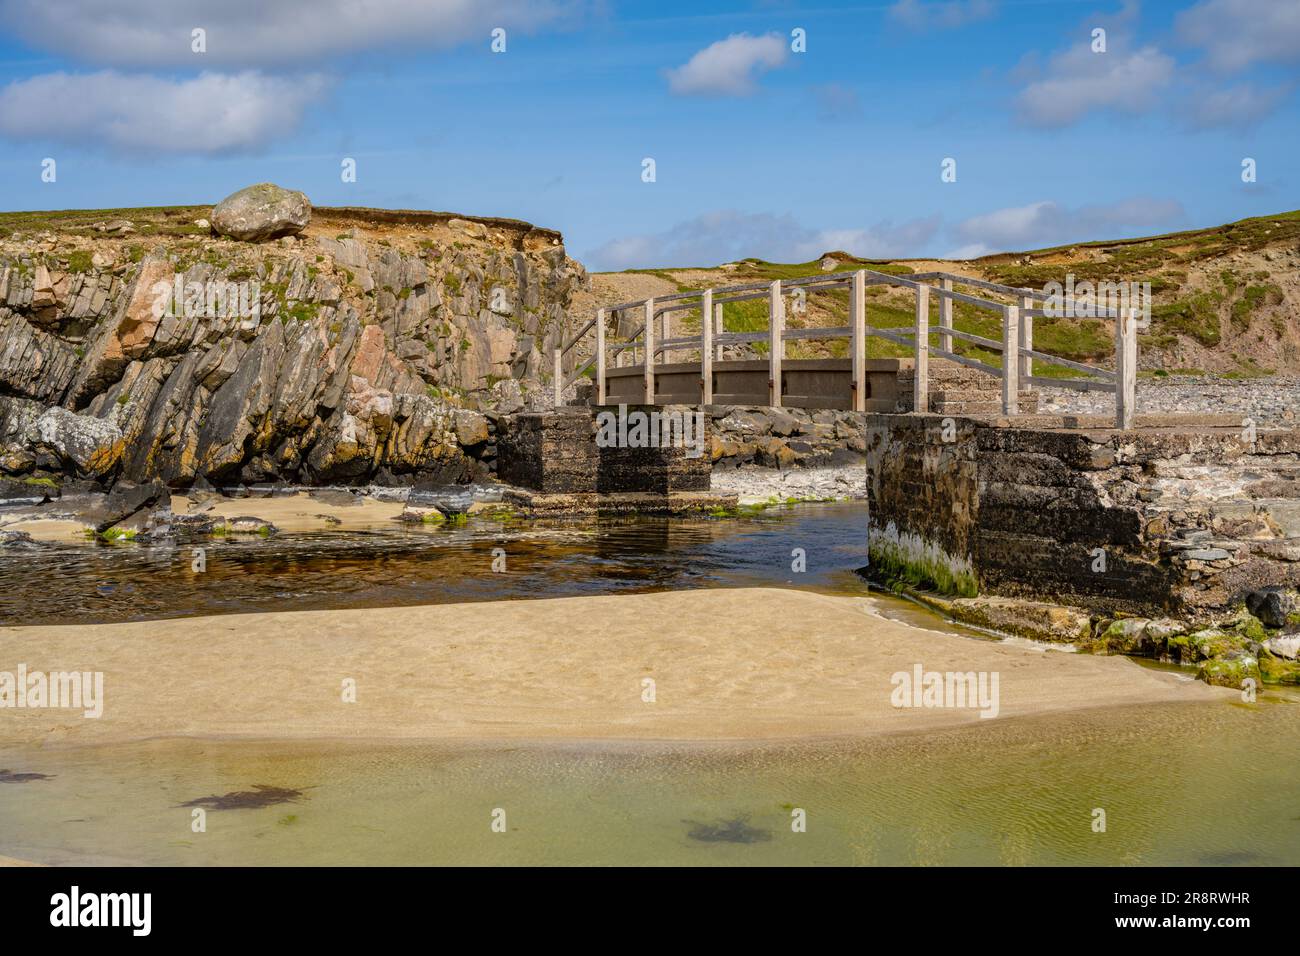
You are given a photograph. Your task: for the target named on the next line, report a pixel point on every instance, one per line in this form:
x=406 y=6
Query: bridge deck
x=805 y=383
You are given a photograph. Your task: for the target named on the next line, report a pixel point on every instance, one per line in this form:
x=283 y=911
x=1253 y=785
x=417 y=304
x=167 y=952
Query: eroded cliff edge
x=379 y=340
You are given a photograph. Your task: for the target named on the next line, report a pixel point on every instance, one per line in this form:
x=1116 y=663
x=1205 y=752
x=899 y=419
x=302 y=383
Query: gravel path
x=1270 y=402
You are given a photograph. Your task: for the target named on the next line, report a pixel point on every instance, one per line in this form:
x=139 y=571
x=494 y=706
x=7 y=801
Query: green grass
x=79 y=260
x=1252 y=299
x=299 y=312
x=154 y=220
x=752 y=269
x=1196 y=316
x=1247 y=368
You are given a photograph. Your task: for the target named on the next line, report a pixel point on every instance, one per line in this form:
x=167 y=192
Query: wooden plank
x=893 y=335
x=746 y=297
x=558 y=377
x=742 y=338
x=600 y=356
x=819 y=332
x=982 y=284
x=975 y=339
x=648 y=334
x=974 y=300
x=677 y=307
x=776 y=344
x=884 y=278
x=1125 y=370
x=706 y=347
x=1078 y=384
x=1101 y=373
x=945 y=316
x=1010 y=360
x=858 y=339
x=1056 y=313
x=921 y=381
x=580 y=333
x=1026 y=343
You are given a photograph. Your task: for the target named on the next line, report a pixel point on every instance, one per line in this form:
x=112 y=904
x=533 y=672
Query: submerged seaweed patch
x=736 y=830
x=260 y=796
x=9 y=776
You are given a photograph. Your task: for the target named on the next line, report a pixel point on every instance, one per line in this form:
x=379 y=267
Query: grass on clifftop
x=146 y=220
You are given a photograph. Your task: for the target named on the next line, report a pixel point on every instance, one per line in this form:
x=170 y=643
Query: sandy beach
x=725 y=664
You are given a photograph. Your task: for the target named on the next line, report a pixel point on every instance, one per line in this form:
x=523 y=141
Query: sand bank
x=726 y=664
x=302 y=512
x=298 y=512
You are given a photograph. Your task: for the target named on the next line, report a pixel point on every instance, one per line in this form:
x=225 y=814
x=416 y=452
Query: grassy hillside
x=1226 y=300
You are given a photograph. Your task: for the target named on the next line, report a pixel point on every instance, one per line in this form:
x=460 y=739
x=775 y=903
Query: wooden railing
x=1016 y=345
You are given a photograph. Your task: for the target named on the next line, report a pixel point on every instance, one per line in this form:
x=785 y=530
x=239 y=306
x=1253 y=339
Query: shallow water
x=100 y=583
x=1180 y=785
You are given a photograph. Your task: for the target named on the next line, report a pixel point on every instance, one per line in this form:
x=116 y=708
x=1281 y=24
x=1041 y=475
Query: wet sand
x=299 y=512
x=750 y=663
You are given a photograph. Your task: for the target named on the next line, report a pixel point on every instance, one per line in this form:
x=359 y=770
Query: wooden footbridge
x=652 y=367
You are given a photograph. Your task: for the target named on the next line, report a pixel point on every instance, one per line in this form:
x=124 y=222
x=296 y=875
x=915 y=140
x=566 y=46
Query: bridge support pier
x=579 y=460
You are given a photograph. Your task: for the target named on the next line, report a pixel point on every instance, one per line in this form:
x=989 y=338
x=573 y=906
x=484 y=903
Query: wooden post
x=1010 y=360
x=559 y=376
x=858 y=339
x=921 y=381
x=648 y=341
x=617 y=321
x=775 y=326
x=706 y=347
x=666 y=333
x=600 y=356
x=719 y=328
x=1026 y=342
x=945 y=316
x=1125 y=369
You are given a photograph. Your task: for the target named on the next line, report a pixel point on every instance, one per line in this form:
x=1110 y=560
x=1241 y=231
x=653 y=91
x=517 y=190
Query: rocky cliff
x=138 y=344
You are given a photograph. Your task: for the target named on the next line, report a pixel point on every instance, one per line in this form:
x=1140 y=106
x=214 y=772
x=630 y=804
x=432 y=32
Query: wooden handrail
x=1016 y=345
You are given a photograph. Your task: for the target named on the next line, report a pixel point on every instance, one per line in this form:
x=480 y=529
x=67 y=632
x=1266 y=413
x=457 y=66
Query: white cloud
x=1237 y=106
x=1126 y=78
x=1078 y=81
x=1236 y=34
x=727 y=235
x=728 y=67
x=212 y=113
x=947 y=14
x=1048 y=224
x=262 y=33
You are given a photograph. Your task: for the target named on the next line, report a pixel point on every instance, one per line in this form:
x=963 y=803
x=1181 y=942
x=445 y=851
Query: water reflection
x=403 y=566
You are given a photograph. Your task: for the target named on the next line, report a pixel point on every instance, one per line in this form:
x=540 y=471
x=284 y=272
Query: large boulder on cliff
x=261 y=212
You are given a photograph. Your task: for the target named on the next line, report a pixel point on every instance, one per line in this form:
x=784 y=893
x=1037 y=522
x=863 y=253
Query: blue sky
x=758 y=149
